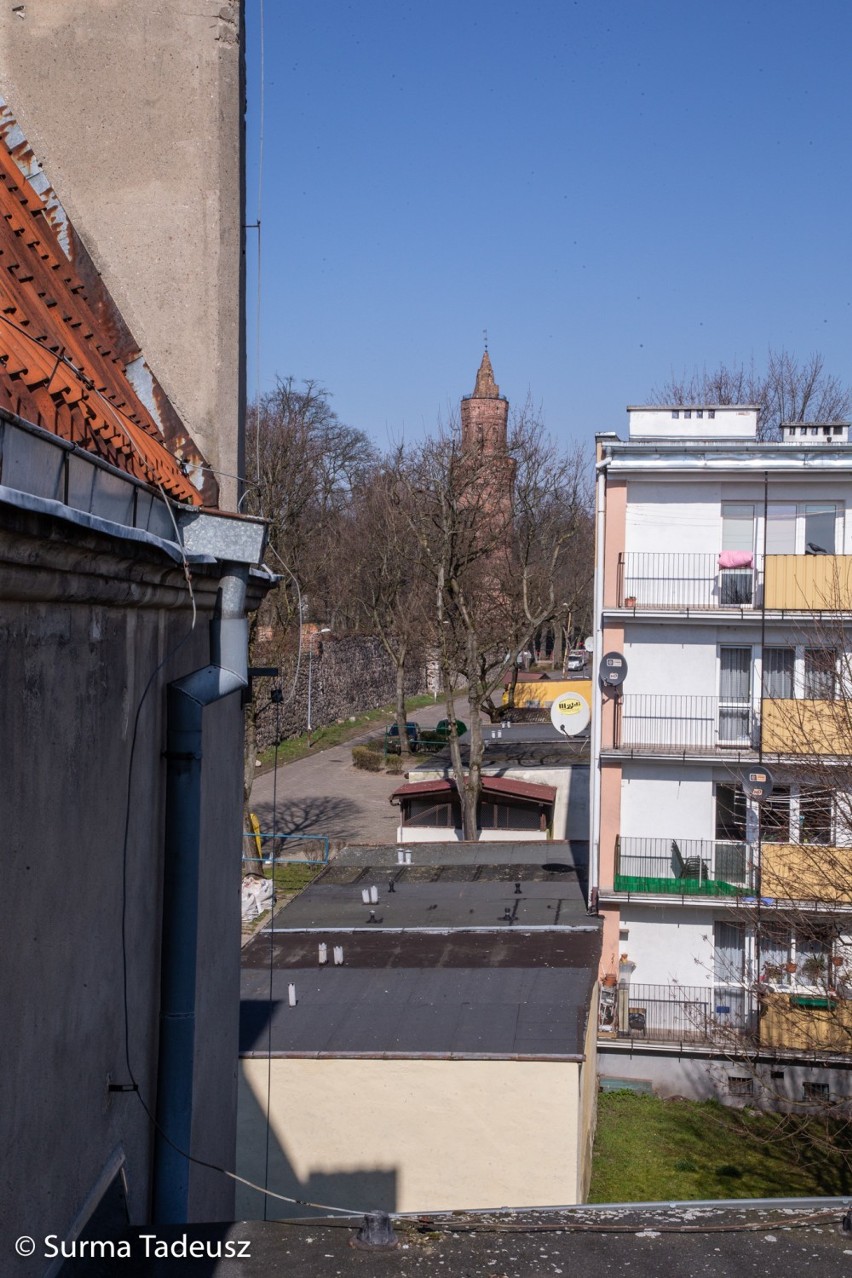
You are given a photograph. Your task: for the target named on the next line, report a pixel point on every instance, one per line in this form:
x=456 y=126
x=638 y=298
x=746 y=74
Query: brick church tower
x=485 y=413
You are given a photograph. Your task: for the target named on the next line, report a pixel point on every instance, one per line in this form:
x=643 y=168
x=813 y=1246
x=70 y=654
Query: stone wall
x=347 y=677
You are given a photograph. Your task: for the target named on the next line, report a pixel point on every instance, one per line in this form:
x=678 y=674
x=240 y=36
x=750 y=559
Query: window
x=675 y=413
x=781 y=528
x=816 y=1091
x=699 y=412
x=740 y=1085
x=774 y=953
x=816 y=816
x=731 y=811
x=687 y=412
x=734 y=696
x=820 y=521
x=711 y=412
x=737 y=526
x=775 y=816
x=432 y=812
x=778 y=664
x=728 y=952
x=820 y=674
x=511 y=816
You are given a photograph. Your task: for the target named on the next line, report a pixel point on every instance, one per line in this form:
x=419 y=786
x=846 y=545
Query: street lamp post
x=326 y=630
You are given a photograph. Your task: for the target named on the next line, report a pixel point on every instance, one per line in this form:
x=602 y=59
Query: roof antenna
x=485 y=338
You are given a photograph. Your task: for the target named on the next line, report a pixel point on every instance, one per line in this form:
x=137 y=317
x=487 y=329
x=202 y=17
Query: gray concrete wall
x=135 y=112
x=84 y=622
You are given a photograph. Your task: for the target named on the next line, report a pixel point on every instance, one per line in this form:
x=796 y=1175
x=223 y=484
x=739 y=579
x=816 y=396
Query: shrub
x=364 y=757
x=395 y=764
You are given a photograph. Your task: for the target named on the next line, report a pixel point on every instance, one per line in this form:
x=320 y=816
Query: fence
x=703 y=867
x=672 y=723
x=684 y=1013
x=679 y=582
x=273 y=852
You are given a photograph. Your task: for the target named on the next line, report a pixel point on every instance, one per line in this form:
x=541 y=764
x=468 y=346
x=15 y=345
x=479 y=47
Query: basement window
x=740 y=1085
x=815 y=1091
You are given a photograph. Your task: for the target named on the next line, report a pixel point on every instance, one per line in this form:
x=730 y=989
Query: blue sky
x=614 y=190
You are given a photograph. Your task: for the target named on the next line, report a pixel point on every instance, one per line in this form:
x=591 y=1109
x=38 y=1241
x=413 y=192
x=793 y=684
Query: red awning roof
x=490 y=786
x=57 y=368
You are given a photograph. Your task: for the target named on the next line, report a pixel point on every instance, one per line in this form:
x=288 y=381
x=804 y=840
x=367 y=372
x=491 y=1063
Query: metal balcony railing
x=679 y=582
x=685 y=1013
x=674 y=724
x=685 y=867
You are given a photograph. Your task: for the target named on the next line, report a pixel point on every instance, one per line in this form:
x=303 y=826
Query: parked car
x=435 y=738
x=577 y=660
x=412 y=731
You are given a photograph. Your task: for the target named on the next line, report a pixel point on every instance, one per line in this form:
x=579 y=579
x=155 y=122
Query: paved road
x=325 y=794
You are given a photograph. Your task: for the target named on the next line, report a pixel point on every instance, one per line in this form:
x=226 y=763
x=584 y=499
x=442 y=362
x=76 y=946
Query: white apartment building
x=722 y=578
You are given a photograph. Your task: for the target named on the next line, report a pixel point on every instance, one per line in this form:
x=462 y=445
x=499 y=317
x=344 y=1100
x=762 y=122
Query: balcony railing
x=685 y=1014
x=686 y=581
x=674 y=724
x=683 y=867
x=809 y=583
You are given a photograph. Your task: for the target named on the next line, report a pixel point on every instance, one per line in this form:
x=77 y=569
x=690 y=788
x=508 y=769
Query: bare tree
x=386 y=586
x=786 y=390
x=494 y=529
x=303 y=466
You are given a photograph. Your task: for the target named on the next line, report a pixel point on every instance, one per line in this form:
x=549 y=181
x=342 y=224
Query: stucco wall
x=135 y=112
x=410 y=1135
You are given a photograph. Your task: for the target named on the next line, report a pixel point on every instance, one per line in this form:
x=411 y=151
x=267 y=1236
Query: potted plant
x=813 y=969
x=773 y=972
x=630 y=601
x=791 y=968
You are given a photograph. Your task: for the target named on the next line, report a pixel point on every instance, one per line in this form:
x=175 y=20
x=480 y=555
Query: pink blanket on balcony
x=736 y=559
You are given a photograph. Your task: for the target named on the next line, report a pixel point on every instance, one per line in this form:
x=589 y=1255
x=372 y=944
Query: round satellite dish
x=757 y=783
x=613 y=669
x=570 y=714
x=589 y=643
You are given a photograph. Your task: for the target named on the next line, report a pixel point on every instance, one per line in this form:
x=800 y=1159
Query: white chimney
x=338 y=955
x=808 y=434
x=323 y=952
x=291 y=995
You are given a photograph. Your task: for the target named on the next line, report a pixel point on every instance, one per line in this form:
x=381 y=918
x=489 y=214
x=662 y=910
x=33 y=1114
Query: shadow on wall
x=370 y=1189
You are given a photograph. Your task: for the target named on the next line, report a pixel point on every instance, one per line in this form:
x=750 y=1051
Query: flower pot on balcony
x=791 y=968
x=630 y=601
x=837 y=960
x=610 y=979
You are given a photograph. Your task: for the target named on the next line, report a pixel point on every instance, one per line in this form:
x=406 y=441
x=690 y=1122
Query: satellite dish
x=757 y=783
x=613 y=669
x=589 y=643
x=570 y=714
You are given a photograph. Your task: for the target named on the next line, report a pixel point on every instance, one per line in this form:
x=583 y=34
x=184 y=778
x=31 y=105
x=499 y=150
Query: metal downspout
x=186 y=700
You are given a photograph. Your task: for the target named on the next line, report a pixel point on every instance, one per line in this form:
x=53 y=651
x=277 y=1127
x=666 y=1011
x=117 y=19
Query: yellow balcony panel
x=808 y=583
x=806 y=1023
x=806 y=872
x=807 y=727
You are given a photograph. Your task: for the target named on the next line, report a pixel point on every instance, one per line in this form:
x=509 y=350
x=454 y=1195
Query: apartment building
x=723 y=583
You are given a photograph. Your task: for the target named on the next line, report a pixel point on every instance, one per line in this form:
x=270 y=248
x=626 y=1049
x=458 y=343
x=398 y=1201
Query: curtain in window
x=820 y=673
x=778 y=673
x=820 y=522
x=781 y=529
x=729 y=952
x=734 y=695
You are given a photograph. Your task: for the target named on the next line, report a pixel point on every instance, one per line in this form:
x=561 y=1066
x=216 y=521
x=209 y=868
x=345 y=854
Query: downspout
x=597 y=653
x=187 y=698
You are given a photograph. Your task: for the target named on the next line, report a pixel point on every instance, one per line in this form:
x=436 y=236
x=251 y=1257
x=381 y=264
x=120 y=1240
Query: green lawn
x=651 y=1150
x=322 y=738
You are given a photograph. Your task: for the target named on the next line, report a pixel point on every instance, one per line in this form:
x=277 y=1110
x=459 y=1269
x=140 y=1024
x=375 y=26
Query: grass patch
x=337 y=733
x=651 y=1150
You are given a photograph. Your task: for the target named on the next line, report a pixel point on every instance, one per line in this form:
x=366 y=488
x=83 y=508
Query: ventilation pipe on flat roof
x=187 y=699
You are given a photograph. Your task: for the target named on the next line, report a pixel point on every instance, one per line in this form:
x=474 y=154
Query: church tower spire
x=485 y=413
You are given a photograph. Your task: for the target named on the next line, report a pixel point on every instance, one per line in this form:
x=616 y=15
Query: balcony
x=685 y=583
x=806 y=1022
x=807 y=727
x=673 y=724
x=806 y=872
x=809 y=583
x=682 y=867
x=685 y=1014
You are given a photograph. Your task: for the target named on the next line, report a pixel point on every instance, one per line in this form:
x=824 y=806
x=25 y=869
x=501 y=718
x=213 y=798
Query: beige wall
x=134 y=110
x=588 y=1114
x=412 y=1135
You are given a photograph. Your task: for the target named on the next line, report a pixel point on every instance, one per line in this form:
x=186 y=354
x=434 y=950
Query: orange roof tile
x=56 y=366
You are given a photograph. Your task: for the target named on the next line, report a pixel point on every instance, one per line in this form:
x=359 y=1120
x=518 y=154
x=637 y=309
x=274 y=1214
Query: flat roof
x=570 y=854
x=519 y=994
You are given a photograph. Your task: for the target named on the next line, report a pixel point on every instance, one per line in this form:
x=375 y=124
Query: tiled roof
x=490 y=785
x=57 y=368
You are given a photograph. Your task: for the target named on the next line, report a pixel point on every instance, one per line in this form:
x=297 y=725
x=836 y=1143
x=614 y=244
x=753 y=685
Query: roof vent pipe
x=186 y=701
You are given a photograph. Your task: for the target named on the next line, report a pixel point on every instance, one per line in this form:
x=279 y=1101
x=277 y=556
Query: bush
x=364 y=757
x=395 y=764
x=375 y=744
